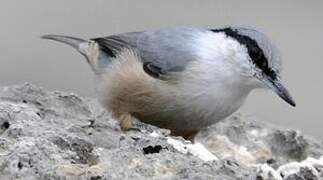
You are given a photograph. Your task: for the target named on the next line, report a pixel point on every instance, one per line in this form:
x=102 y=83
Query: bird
x=184 y=79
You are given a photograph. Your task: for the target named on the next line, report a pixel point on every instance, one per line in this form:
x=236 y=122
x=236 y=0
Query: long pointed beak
x=277 y=86
x=72 y=41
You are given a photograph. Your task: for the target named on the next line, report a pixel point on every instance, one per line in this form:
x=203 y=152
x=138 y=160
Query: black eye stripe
x=255 y=52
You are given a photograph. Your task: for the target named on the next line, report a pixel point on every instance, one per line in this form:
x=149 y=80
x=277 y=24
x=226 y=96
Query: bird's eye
x=271 y=73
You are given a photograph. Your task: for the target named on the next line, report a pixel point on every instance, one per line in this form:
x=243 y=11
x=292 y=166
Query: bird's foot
x=126 y=121
x=190 y=135
x=129 y=122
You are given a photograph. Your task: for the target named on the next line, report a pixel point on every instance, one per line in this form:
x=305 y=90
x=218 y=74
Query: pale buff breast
x=166 y=103
x=127 y=88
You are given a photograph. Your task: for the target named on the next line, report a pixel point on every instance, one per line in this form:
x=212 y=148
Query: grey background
x=295 y=26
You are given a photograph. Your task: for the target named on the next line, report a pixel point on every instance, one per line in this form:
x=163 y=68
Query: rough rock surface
x=61 y=136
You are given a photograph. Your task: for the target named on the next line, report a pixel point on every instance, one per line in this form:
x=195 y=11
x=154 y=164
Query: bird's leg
x=190 y=135
x=126 y=121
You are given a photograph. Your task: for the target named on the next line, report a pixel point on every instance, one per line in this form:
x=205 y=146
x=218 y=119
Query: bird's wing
x=162 y=52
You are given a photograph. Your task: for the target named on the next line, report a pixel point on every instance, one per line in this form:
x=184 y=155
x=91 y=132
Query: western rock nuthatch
x=183 y=79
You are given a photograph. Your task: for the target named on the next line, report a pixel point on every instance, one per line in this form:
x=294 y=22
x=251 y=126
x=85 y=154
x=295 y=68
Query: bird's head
x=259 y=60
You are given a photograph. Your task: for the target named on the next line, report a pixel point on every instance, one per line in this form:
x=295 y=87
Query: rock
x=55 y=135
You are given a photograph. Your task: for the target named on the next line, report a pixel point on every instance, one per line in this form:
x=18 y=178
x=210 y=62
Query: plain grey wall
x=295 y=26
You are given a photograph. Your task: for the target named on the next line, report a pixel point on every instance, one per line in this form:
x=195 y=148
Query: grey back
x=169 y=49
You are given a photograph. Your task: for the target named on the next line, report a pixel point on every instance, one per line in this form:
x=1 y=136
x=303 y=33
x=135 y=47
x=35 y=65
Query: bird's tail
x=87 y=48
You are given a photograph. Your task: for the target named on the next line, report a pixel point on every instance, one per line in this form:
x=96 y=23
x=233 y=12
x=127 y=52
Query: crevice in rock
x=96 y=178
x=20 y=165
x=152 y=149
x=5 y=125
x=271 y=161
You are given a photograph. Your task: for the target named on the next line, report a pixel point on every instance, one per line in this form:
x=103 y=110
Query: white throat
x=217 y=80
